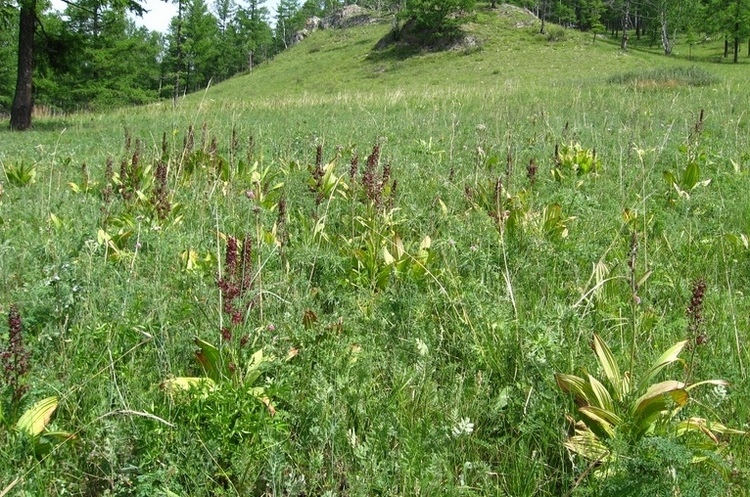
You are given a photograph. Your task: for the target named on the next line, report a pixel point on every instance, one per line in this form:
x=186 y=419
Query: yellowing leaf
x=656 y=400
x=426 y=243
x=387 y=257
x=443 y=208
x=667 y=358
x=186 y=383
x=607 y=420
x=575 y=385
x=609 y=365
x=37 y=417
x=602 y=396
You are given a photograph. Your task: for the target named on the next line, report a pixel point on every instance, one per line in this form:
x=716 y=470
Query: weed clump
x=667 y=77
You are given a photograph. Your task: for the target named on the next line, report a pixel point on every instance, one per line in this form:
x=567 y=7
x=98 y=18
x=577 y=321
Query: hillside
x=356 y=272
x=506 y=48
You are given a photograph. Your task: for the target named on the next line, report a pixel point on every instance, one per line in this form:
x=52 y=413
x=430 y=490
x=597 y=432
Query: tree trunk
x=178 y=72
x=638 y=22
x=726 y=46
x=665 y=43
x=736 y=42
x=625 y=26
x=23 y=102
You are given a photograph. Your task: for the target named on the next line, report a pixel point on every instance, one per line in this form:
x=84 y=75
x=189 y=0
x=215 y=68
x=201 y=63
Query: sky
x=160 y=13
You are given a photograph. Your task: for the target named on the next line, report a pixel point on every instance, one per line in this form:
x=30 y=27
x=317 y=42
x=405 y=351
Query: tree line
x=659 y=21
x=92 y=55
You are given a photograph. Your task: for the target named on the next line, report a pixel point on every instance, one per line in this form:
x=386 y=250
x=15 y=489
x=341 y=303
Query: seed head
x=695 y=313
x=15 y=358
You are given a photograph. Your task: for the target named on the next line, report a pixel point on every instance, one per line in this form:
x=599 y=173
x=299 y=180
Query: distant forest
x=92 y=56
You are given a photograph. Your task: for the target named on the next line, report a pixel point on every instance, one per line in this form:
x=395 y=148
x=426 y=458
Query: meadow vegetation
x=511 y=268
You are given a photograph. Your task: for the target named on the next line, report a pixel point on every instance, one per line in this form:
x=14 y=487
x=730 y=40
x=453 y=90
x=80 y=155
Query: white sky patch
x=160 y=13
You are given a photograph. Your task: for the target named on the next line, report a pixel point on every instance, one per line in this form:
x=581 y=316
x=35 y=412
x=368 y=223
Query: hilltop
x=502 y=47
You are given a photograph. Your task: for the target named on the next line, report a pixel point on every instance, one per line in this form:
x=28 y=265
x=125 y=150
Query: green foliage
x=573 y=158
x=689 y=179
x=96 y=59
x=629 y=409
x=20 y=174
x=555 y=33
x=8 y=55
x=433 y=19
x=667 y=77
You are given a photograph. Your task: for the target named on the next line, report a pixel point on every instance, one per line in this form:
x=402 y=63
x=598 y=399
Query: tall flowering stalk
x=234 y=283
x=161 y=190
x=317 y=176
x=694 y=312
x=377 y=184
x=696 y=335
x=15 y=358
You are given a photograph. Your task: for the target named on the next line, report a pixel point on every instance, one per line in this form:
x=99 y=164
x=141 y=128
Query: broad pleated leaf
x=253 y=370
x=609 y=365
x=708 y=428
x=601 y=394
x=210 y=359
x=667 y=358
x=606 y=420
x=576 y=386
x=657 y=399
x=721 y=383
x=187 y=383
x=37 y=417
x=586 y=444
x=690 y=176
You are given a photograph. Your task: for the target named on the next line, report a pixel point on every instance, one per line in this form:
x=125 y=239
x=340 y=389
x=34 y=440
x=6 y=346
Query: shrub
x=436 y=18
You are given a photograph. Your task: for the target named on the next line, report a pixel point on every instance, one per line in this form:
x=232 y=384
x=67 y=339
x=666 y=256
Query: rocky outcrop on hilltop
x=346 y=17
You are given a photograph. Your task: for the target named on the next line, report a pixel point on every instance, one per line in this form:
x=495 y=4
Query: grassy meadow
x=358 y=272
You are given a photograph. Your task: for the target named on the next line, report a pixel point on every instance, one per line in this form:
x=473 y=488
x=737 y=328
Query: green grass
x=392 y=361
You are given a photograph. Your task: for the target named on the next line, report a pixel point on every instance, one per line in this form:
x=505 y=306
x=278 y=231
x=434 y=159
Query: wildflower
x=189 y=141
x=281 y=222
x=161 y=190
x=15 y=358
x=351 y=436
x=234 y=143
x=463 y=427
x=695 y=313
x=368 y=178
x=531 y=171
x=720 y=393
x=108 y=175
